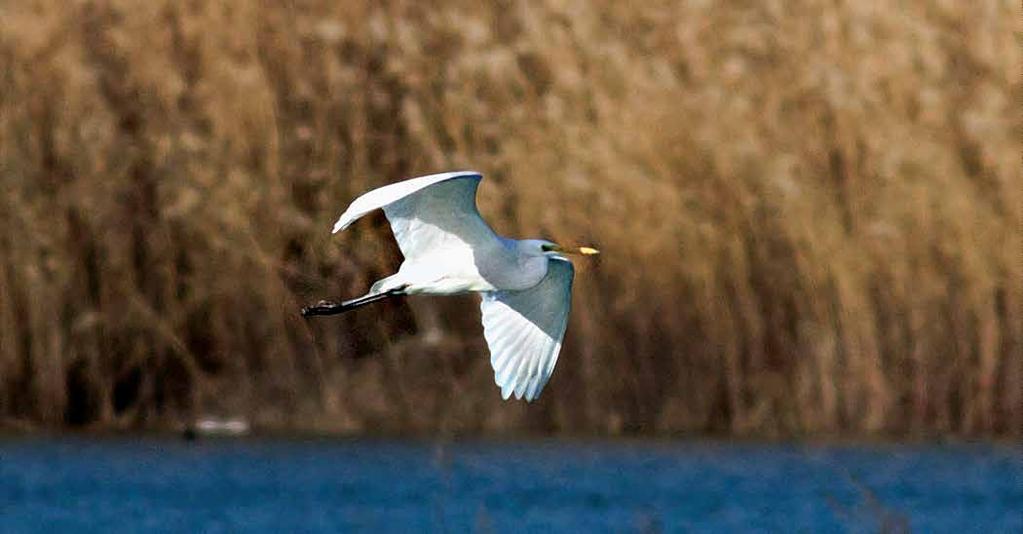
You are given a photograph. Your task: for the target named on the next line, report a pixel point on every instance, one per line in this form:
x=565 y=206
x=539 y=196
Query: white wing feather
x=524 y=330
x=429 y=213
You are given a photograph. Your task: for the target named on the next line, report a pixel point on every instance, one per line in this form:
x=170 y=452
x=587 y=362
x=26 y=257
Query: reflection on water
x=79 y=485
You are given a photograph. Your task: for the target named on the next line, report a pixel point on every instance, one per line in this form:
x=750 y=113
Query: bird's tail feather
x=385 y=285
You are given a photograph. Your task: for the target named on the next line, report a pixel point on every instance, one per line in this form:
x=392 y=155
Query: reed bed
x=811 y=212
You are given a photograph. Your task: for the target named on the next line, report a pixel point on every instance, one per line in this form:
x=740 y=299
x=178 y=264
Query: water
x=108 y=485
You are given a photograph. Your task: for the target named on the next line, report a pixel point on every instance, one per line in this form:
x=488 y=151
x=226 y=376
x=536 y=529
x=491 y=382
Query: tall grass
x=811 y=212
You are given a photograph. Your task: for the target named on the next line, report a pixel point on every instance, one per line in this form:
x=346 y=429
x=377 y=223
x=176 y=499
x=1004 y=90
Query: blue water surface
x=252 y=485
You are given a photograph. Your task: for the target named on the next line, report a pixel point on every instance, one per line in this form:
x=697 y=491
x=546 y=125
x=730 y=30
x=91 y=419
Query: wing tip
x=521 y=390
x=464 y=172
x=344 y=221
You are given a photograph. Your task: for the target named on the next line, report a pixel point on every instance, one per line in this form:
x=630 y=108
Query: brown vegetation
x=811 y=211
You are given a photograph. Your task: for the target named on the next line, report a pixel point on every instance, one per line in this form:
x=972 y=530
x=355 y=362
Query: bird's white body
x=449 y=249
x=459 y=271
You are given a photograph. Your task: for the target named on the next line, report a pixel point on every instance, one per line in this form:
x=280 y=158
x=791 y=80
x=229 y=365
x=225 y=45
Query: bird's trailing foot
x=323 y=307
x=327 y=307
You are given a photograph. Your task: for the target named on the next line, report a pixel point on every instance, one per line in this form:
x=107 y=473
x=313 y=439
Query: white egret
x=526 y=285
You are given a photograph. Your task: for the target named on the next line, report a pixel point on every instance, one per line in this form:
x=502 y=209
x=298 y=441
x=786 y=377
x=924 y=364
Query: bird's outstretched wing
x=524 y=330
x=436 y=212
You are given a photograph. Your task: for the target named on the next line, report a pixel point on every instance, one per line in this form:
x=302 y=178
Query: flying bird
x=526 y=285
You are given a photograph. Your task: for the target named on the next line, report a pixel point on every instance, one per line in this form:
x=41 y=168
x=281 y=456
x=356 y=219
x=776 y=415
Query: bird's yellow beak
x=584 y=251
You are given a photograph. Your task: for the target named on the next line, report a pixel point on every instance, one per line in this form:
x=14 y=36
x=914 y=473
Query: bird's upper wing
x=427 y=213
x=524 y=330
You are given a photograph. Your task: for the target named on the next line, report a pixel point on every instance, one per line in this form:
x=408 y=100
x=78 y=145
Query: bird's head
x=542 y=247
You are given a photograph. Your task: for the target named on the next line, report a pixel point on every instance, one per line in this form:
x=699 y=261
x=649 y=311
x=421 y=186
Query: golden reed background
x=810 y=212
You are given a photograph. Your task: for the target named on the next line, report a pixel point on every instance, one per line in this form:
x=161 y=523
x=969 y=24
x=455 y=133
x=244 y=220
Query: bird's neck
x=512 y=245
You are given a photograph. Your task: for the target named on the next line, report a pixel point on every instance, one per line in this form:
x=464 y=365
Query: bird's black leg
x=325 y=307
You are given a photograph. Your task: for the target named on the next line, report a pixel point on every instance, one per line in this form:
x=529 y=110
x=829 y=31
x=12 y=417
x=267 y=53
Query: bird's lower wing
x=524 y=330
x=427 y=214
